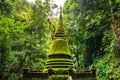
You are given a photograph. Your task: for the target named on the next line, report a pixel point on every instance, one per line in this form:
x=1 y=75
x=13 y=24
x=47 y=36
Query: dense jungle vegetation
x=92 y=28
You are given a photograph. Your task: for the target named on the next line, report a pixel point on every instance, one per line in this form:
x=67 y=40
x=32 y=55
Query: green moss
x=59 y=57
x=59 y=46
x=59 y=60
x=60 y=70
x=58 y=66
x=60 y=77
x=59 y=28
x=60 y=63
x=57 y=70
x=57 y=63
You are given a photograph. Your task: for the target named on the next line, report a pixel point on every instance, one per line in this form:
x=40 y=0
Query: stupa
x=59 y=65
x=59 y=57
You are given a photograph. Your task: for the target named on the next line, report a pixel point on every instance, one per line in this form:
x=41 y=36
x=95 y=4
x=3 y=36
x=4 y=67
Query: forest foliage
x=24 y=36
x=93 y=33
x=92 y=29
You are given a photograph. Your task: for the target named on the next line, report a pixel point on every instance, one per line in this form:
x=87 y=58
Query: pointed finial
x=59 y=29
x=60 y=13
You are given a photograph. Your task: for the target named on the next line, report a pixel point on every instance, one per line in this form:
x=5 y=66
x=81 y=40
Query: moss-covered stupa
x=59 y=65
x=59 y=57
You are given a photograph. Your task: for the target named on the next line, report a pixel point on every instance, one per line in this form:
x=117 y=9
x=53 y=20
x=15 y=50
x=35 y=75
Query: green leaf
x=117 y=1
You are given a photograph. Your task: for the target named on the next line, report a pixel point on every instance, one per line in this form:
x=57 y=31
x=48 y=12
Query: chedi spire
x=59 y=57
